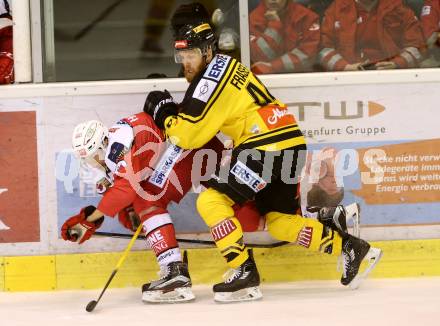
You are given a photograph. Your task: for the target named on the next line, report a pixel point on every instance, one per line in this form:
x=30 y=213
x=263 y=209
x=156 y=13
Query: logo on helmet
x=183 y=44
x=201 y=28
x=89 y=133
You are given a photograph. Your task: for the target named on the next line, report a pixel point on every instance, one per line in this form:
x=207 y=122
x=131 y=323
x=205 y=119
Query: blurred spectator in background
x=6 y=57
x=225 y=18
x=192 y=13
x=284 y=37
x=370 y=34
x=318 y=6
x=155 y=24
x=430 y=18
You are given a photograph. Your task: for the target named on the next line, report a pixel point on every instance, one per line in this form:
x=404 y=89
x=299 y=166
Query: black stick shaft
x=195 y=241
x=107 y=284
x=119 y=264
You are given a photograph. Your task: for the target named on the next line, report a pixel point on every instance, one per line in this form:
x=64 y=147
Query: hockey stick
x=101 y=17
x=92 y=304
x=195 y=241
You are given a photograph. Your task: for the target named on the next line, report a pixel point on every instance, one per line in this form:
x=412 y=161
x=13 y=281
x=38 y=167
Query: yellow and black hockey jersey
x=227 y=97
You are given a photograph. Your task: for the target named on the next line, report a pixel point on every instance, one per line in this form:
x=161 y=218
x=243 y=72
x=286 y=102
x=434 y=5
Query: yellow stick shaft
x=127 y=250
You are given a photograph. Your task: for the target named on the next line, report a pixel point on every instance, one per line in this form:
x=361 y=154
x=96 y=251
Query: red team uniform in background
x=288 y=44
x=351 y=34
x=6 y=57
x=430 y=18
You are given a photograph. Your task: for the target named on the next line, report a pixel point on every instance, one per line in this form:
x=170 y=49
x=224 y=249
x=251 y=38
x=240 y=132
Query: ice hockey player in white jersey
x=140 y=173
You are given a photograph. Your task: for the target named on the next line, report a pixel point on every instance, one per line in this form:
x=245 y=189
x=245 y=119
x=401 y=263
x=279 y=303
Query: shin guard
x=228 y=237
x=306 y=232
x=216 y=210
x=161 y=236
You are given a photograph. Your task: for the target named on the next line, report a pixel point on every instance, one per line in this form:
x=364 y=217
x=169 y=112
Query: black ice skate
x=340 y=217
x=354 y=251
x=173 y=286
x=241 y=284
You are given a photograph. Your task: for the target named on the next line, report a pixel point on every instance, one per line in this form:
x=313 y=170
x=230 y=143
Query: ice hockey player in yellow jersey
x=268 y=155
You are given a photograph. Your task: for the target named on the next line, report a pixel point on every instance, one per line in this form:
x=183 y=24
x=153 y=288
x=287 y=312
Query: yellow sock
x=306 y=232
x=216 y=210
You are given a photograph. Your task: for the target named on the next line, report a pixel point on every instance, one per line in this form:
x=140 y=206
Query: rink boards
x=413 y=258
x=385 y=129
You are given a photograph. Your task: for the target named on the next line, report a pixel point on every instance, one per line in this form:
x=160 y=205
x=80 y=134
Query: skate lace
x=231 y=275
x=163 y=272
x=347 y=259
x=345 y=263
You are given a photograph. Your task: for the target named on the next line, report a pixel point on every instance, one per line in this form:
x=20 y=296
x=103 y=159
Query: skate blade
x=248 y=294
x=183 y=294
x=354 y=211
x=372 y=258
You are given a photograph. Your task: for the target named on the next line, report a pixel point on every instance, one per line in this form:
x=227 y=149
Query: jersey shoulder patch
x=211 y=78
x=217 y=68
x=117 y=152
x=204 y=89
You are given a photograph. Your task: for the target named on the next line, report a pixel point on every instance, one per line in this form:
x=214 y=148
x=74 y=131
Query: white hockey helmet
x=88 y=137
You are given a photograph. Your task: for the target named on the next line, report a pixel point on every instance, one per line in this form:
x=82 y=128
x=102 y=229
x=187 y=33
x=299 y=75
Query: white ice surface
x=395 y=302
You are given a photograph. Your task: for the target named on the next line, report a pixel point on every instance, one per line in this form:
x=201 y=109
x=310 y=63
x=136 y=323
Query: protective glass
x=192 y=56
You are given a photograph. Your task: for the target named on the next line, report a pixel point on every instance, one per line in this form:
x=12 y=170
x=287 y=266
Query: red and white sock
x=161 y=237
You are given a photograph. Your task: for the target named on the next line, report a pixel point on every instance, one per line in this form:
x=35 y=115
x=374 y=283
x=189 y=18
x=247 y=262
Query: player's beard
x=190 y=72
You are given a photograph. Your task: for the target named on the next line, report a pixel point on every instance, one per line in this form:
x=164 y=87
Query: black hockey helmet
x=192 y=36
x=192 y=13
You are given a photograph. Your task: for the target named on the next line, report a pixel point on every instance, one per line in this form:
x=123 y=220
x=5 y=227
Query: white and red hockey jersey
x=146 y=171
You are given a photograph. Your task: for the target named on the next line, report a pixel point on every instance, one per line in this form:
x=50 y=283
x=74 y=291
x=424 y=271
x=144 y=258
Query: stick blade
x=91 y=305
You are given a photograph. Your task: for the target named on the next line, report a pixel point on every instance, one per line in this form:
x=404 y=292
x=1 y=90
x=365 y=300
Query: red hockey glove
x=129 y=219
x=78 y=229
